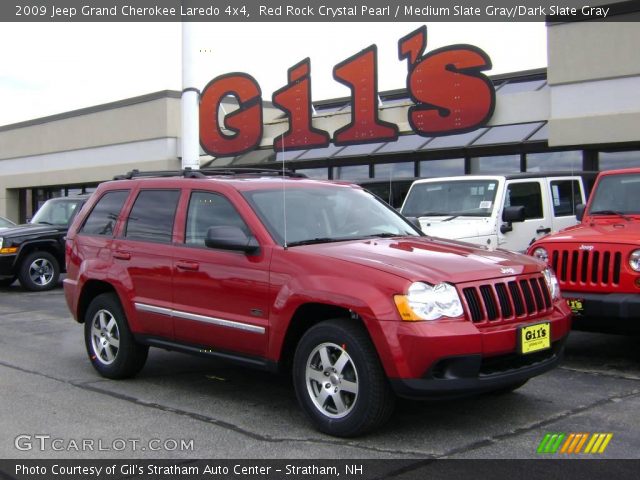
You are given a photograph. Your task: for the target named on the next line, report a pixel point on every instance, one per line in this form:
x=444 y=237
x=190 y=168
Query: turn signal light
x=7 y=250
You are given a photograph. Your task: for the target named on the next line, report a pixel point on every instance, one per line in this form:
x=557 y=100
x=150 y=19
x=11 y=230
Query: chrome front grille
x=504 y=301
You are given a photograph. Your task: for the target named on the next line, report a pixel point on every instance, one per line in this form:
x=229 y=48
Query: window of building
x=527 y=195
x=442 y=168
x=152 y=215
x=210 y=210
x=315 y=173
x=566 y=195
x=614 y=160
x=548 y=161
x=394 y=170
x=351 y=172
x=499 y=164
x=102 y=219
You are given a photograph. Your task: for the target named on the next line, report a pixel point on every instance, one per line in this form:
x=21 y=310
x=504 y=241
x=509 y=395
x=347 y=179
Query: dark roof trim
x=94 y=109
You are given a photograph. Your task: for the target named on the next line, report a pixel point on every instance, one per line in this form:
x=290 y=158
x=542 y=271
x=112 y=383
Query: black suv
x=34 y=252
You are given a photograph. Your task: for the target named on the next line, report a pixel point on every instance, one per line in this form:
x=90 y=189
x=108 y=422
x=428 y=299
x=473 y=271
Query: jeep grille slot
x=587 y=267
x=501 y=302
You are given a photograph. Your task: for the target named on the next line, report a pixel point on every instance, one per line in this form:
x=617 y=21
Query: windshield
x=56 y=212
x=474 y=198
x=5 y=223
x=326 y=213
x=617 y=194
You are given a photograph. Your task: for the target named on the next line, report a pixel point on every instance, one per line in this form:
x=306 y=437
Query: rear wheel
x=339 y=381
x=39 y=271
x=111 y=347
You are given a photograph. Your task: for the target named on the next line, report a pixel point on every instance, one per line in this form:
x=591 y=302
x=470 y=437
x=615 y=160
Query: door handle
x=120 y=255
x=185 y=265
x=543 y=230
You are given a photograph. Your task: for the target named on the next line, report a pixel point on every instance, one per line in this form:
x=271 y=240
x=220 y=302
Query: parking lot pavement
x=198 y=408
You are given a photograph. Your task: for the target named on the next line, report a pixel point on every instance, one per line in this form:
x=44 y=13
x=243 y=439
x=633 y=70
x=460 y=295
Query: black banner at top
x=420 y=11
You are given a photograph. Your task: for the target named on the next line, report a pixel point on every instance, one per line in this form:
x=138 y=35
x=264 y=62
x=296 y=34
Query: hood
x=429 y=259
x=600 y=231
x=458 y=228
x=27 y=229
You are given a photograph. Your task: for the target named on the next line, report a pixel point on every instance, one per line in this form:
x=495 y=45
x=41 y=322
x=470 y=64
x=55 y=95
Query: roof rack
x=204 y=172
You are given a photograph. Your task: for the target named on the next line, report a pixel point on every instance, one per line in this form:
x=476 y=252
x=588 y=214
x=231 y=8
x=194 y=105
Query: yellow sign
x=534 y=338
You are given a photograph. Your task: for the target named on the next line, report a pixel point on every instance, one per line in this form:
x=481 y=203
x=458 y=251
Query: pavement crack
x=90 y=386
x=600 y=373
x=535 y=426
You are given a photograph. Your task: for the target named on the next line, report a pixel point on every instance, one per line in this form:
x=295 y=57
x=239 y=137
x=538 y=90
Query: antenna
x=284 y=196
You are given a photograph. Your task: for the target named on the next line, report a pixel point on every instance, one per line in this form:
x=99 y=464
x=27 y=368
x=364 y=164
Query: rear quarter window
x=102 y=218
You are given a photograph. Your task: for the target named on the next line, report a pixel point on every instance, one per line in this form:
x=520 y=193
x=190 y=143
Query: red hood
x=428 y=259
x=601 y=231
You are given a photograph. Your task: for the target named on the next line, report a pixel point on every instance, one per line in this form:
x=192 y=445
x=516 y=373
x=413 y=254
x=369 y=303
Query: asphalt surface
x=49 y=389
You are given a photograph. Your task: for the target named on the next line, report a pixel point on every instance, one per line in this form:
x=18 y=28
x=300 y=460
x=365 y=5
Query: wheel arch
x=90 y=290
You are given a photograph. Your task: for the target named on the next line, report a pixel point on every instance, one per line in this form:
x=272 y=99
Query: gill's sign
x=450 y=94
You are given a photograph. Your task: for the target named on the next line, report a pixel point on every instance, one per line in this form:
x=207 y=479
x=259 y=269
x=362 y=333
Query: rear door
x=143 y=254
x=532 y=195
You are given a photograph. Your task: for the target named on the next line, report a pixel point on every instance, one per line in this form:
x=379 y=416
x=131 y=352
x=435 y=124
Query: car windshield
x=326 y=213
x=474 y=198
x=56 y=212
x=5 y=223
x=616 y=195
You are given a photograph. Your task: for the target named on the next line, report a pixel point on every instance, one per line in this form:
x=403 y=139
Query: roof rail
x=202 y=173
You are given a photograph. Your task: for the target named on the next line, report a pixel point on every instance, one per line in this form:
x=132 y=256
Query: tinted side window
x=210 y=210
x=103 y=217
x=152 y=215
x=527 y=195
x=565 y=195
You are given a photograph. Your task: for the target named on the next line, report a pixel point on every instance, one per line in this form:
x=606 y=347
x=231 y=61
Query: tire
x=112 y=350
x=7 y=282
x=39 y=271
x=339 y=381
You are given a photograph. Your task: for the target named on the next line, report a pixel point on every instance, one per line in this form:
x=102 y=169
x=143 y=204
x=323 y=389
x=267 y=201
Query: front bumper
x=606 y=312
x=7 y=265
x=472 y=374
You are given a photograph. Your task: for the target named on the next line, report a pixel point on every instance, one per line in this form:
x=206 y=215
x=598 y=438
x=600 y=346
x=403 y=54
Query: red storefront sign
x=450 y=92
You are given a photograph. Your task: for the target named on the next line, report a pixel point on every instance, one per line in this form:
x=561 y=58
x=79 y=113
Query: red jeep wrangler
x=598 y=261
x=321 y=278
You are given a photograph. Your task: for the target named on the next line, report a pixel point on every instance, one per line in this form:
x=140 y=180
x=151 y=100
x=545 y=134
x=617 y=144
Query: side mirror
x=580 y=208
x=230 y=238
x=513 y=214
x=510 y=215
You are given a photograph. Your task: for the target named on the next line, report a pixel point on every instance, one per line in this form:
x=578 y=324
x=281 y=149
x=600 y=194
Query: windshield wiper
x=43 y=222
x=611 y=212
x=311 y=241
x=432 y=214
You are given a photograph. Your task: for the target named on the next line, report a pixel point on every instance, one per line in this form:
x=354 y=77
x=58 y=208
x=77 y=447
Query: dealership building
x=580 y=113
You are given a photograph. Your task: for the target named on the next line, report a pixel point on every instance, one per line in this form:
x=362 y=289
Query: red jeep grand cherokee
x=282 y=272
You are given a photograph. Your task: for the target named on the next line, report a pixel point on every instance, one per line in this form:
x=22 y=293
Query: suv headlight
x=426 y=302
x=1 y=242
x=552 y=283
x=634 y=259
x=541 y=254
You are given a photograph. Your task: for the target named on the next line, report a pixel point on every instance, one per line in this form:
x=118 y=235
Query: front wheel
x=39 y=271
x=111 y=347
x=339 y=381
